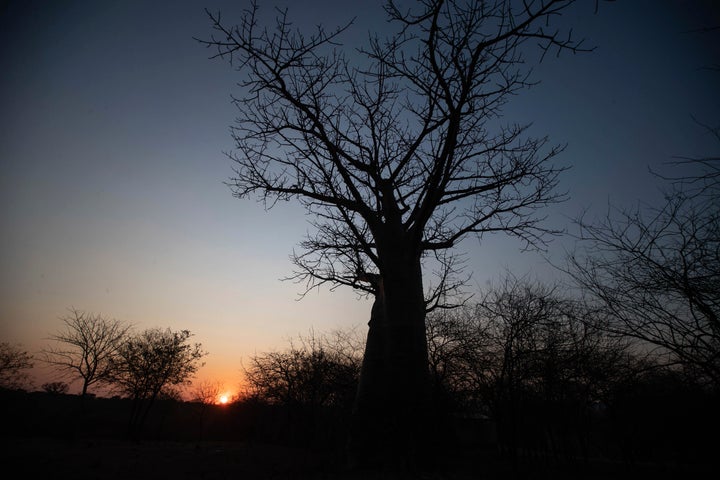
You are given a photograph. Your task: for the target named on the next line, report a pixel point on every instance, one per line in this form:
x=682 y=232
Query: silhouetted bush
x=305 y=392
x=534 y=362
x=55 y=387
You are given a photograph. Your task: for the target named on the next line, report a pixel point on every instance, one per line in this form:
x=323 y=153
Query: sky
x=113 y=128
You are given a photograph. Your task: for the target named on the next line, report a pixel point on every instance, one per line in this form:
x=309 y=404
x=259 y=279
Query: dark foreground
x=117 y=459
x=127 y=460
x=64 y=436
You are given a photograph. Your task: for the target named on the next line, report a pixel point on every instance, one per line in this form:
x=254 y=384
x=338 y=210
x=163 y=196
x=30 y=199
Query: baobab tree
x=397 y=153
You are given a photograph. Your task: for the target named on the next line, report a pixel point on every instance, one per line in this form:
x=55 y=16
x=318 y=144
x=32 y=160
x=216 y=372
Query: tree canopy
x=405 y=141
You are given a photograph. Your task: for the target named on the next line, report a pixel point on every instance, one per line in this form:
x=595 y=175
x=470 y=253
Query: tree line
x=105 y=353
x=566 y=370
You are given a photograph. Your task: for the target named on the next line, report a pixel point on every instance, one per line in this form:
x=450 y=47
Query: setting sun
x=223 y=399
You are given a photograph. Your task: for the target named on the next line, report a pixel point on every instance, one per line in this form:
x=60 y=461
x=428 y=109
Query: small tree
x=56 y=388
x=656 y=271
x=86 y=347
x=14 y=361
x=206 y=392
x=533 y=359
x=151 y=361
x=312 y=372
x=308 y=387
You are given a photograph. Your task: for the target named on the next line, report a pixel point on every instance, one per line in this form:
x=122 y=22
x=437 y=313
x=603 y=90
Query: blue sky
x=113 y=124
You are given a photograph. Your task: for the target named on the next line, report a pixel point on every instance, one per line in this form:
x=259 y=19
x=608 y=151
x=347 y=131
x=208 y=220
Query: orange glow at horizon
x=224 y=399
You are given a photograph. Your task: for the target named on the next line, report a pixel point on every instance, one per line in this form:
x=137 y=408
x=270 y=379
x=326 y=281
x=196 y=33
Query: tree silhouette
x=532 y=359
x=151 y=361
x=56 y=388
x=312 y=372
x=206 y=392
x=85 y=348
x=13 y=363
x=396 y=157
x=656 y=270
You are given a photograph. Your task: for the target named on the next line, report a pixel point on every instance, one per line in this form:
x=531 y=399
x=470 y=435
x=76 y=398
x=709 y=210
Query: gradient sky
x=113 y=124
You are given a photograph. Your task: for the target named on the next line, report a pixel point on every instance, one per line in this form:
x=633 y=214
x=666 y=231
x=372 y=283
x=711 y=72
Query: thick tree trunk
x=389 y=419
x=365 y=448
x=370 y=393
x=406 y=358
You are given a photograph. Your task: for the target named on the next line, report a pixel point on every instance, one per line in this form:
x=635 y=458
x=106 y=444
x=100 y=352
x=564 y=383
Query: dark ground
x=85 y=459
x=116 y=460
x=46 y=436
